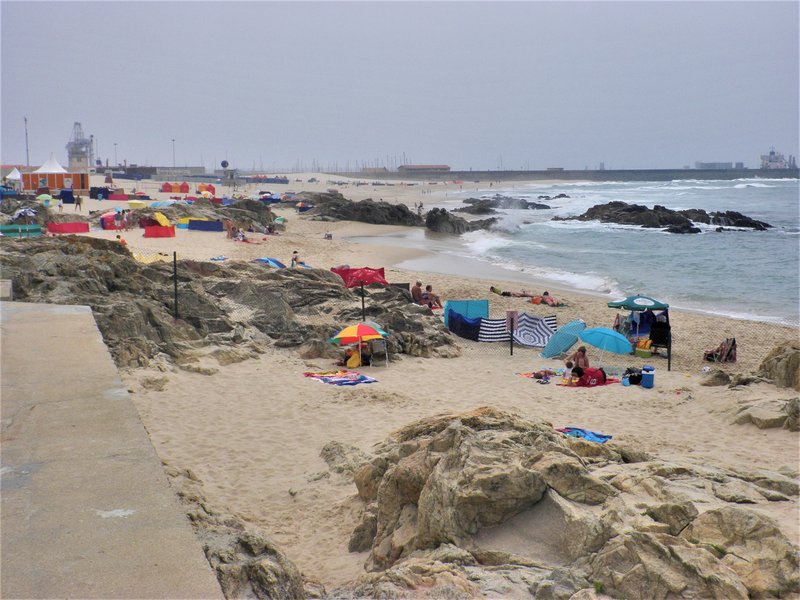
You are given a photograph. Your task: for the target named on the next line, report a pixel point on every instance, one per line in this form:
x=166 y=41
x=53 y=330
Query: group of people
x=579 y=373
x=425 y=297
x=544 y=298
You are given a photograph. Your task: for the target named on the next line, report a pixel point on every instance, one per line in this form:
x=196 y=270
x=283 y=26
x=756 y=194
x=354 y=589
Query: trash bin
x=648 y=376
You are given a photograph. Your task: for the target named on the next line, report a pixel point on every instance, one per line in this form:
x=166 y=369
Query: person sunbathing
x=544 y=298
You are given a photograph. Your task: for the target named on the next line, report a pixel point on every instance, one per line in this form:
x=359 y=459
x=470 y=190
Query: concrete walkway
x=86 y=510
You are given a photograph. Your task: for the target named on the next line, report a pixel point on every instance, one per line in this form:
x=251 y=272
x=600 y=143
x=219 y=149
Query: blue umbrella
x=272 y=262
x=606 y=339
x=563 y=339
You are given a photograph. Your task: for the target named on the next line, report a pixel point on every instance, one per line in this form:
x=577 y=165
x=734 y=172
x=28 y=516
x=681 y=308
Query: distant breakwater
x=583 y=175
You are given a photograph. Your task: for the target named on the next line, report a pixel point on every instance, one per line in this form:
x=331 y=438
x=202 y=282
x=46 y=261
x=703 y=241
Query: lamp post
x=115 y=154
x=173 y=153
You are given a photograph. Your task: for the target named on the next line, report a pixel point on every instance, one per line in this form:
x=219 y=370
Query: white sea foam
x=752 y=185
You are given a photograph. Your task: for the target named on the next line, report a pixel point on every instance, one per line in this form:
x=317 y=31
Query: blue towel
x=591 y=436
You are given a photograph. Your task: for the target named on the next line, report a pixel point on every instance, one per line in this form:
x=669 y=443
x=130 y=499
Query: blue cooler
x=648 y=376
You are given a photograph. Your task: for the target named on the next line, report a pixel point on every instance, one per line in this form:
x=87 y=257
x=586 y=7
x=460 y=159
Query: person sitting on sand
x=240 y=236
x=568 y=370
x=296 y=260
x=416 y=292
x=121 y=240
x=431 y=299
x=579 y=358
x=587 y=377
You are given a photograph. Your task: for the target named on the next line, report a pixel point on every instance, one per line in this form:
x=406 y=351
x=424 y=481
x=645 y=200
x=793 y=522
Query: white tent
x=15 y=175
x=51 y=166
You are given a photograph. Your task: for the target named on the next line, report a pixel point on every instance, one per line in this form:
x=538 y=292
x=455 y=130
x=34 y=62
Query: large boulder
x=660 y=566
x=752 y=546
x=782 y=365
x=442 y=221
x=334 y=206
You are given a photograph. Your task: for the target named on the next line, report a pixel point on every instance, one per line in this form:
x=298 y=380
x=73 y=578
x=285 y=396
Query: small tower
x=79 y=149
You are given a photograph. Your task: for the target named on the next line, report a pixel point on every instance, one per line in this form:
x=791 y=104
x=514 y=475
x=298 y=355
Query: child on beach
x=568 y=371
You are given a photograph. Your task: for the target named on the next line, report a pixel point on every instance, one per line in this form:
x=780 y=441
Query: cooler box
x=648 y=377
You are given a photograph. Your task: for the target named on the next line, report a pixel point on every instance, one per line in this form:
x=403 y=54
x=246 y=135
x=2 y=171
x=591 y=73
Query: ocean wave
x=753 y=185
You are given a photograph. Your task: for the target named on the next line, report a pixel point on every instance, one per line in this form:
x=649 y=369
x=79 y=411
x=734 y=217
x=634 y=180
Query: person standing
x=78 y=203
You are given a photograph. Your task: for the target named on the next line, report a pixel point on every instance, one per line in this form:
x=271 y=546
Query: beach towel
x=591 y=436
x=340 y=377
x=535 y=331
x=530 y=375
x=608 y=381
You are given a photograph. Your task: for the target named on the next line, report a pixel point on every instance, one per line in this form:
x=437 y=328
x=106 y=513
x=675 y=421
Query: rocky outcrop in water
x=487 y=502
x=228 y=312
x=673 y=221
x=442 y=221
x=502 y=202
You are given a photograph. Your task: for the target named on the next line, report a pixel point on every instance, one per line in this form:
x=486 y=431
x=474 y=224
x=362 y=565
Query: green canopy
x=639 y=303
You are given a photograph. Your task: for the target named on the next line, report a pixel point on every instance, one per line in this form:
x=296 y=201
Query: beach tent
x=183 y=188
x=14 y=178
x=166 y=187
x=363 y=276
x=51 y=166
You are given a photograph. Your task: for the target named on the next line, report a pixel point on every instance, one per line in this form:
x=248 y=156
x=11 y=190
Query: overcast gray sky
x=470 y=84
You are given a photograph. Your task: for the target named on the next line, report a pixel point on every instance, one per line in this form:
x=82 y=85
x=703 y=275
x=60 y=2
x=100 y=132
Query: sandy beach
x=253 y=431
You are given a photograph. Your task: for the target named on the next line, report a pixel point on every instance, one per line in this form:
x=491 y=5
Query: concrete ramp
x=86 y=510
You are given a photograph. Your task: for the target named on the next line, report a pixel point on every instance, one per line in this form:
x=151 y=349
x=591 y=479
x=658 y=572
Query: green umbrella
x=639 y=303
x=44 y=197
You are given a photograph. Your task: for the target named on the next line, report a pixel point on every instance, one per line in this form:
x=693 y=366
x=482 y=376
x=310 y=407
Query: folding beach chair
x=724 y=353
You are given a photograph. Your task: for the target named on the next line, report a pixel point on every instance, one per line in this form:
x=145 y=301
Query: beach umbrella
x=606 y=340
x=206 y=194
x=45 y=199
x=563 y=339
x=272 y=262
x=360 y=332
x=639 y=303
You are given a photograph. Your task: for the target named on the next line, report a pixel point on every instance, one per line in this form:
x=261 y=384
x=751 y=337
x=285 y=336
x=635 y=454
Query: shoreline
x=441 y=263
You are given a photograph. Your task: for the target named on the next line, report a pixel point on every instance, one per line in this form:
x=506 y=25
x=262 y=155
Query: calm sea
x=745 y=274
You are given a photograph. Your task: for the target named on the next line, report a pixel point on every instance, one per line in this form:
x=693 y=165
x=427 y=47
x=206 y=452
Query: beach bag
x=354 y=361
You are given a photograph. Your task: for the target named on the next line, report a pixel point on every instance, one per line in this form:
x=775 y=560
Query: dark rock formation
x=442 y=221
x=486 y=500
x=228 y=311
x=661 y=217
x=334 y=206
x=478 y=207
x=504 y=202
